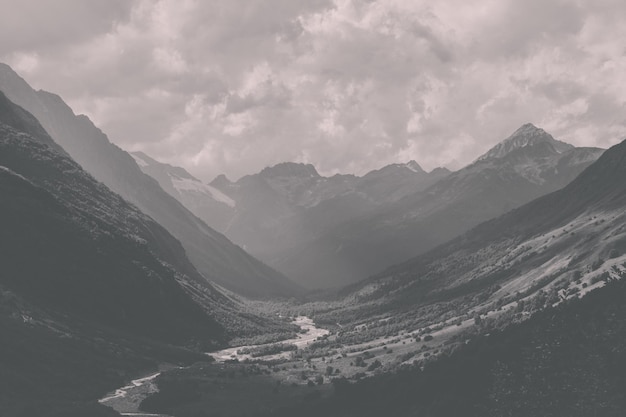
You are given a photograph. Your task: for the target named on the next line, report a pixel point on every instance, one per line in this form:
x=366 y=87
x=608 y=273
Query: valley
x=492 y=279
x=369 y=350
x=130 y=287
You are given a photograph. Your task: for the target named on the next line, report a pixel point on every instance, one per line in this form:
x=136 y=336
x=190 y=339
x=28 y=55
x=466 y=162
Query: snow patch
x=192 y=185
x=139 y=161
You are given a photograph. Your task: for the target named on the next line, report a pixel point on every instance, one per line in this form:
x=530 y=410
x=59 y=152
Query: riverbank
x=127 y=399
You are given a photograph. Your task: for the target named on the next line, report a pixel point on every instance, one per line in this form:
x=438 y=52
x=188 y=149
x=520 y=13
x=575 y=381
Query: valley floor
x=263 y=378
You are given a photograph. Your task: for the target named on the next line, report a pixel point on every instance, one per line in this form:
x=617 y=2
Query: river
x=309 y=333
x=126 y=400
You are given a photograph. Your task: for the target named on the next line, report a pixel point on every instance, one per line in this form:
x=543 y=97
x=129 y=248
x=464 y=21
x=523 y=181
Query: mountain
x=522 y=315
x=556 y=247
x=91 y=289
x=528 y=164
x=525 y=313
x=205 y=201
x=72 y=245
x=213 y=255
x=527 y=136
x=290 y=204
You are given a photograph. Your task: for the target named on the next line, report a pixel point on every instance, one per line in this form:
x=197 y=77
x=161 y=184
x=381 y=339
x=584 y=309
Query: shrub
x=597 y=264
x=374 y=365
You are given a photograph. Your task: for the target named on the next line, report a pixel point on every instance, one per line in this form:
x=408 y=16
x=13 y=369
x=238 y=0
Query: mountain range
x=214 y=256
x=558 y=245
x=513 y=173
x=492 y=290
x=521 y=314
x=543 y=286
x=332 y=231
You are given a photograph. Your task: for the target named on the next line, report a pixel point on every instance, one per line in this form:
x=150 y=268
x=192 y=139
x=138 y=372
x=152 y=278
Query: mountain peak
x=290 y=169
x=527 y=135
x=221 y=181
x=414 y=166
x=440 y=171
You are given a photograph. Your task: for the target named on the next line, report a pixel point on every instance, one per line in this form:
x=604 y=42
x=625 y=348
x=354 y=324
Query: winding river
x=309 y=333
x=126 y=400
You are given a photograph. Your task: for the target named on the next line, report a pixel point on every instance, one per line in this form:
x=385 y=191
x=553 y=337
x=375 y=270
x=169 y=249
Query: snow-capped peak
x=527 y=135
x=194 y=185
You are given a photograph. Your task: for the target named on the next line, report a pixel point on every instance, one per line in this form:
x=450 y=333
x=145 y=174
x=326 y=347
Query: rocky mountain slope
x=556 y=247
x=92 y=290
x=528 y=164
x=205 y=201
x=214 y=256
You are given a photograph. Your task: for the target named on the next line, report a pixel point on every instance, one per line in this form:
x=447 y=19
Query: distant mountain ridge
x=569 y=240
x=526 y=165
x=290 y=203
x=215 y=257
x=332 y=231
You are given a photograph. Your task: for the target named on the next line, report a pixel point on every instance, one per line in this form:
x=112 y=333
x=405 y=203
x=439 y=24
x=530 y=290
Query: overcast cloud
x=232 y=86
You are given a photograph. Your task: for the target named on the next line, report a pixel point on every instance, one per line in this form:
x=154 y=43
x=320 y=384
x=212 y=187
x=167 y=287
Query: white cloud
x=348 y=85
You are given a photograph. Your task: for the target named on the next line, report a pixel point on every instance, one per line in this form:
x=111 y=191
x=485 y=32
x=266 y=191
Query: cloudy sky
x=231 y=86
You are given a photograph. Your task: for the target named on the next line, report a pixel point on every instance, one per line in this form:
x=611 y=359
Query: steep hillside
x=557 y=246
x=525 y=166
x=569 y=360
x=92 y=291
x=205 y=201
x=71 y=245
x=214 y=256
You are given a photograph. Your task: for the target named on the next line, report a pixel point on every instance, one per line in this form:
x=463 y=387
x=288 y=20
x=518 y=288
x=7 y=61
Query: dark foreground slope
x=70 y=244
x=53 y=365
x=213 y=255
x=89 y=286
x=92 y=291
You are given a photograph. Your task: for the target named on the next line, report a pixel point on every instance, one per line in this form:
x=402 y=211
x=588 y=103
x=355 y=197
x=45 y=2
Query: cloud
x=348 y=85
x=29 y=25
